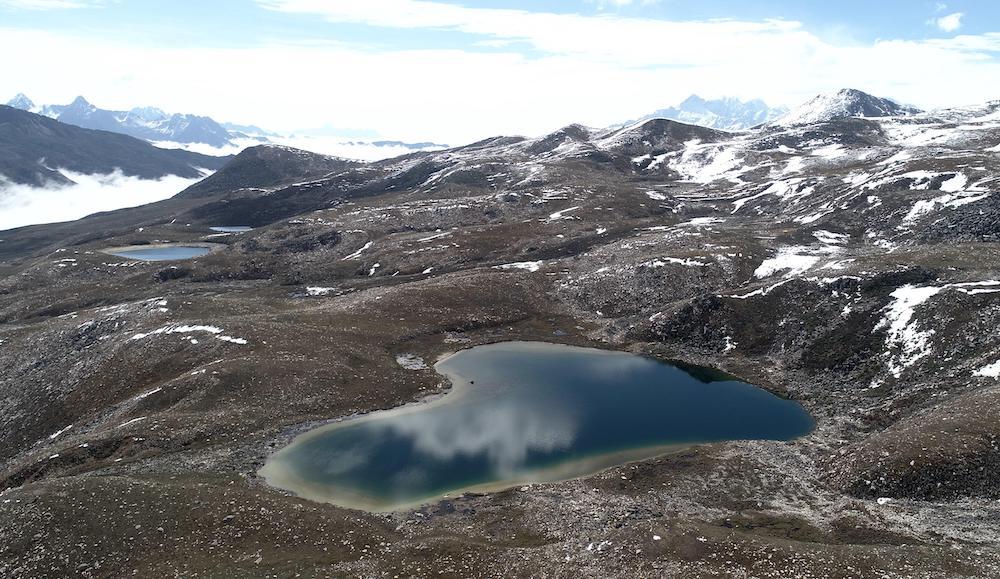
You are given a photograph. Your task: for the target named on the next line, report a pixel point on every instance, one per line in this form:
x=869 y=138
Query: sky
x=456 y=71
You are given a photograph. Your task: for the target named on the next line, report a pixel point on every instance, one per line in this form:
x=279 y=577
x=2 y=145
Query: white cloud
x=624 y=41
x=949 y=23
x=27 y=205
x=49 y=4
x=602 y=4
x=597 y=70
x=333 y=146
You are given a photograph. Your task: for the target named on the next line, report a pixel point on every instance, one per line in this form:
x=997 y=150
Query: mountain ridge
x=176 y=129
x=725 y=113
x=147 y=123
x=847 y=102
x=33 y=149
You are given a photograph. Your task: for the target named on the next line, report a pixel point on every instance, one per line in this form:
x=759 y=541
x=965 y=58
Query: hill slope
x=849 y=264
x=33 y=149
x=267 y=166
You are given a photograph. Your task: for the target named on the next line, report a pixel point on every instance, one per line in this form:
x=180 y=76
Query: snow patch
x=758 y=292
x=357 y=253
x=700 y=222
x=675 y=260
x=526 y=265
x=188 y=329
x=830 y=238
x=133 y=421
x=435 y=236
x=989 y=371
x=792 y=260
x=700 y=163
x=411 y=362
x=562 y=214
x=949 y=201
x=907 y=344
x=57 y=433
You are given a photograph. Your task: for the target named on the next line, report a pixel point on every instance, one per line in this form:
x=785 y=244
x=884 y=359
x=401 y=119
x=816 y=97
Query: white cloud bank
x=604 y=4
x=949 y=23
x=48 y=4
x=22 y=205
x=333 y=146
x=520 y=72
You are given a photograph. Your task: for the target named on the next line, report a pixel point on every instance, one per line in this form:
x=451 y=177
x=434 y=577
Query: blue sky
x=239 y=22
x=454 y=71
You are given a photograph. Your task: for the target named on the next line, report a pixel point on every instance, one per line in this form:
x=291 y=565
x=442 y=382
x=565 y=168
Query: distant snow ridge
x=728 y=113
x=846 y=102
x=149 y=123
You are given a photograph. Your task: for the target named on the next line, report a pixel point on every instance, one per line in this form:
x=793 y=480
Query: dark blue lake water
x=527 y=412
x=162 y=253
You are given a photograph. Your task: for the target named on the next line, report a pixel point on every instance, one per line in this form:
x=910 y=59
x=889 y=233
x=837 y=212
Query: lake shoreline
x=279 y=470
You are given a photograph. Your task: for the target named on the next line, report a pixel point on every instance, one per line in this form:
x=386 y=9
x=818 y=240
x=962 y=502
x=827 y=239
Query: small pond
x=524 y=412
x=231 y=228
x=160 y=252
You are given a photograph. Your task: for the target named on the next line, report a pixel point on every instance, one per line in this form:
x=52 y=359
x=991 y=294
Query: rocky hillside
x=848 y=262
x=265 y=168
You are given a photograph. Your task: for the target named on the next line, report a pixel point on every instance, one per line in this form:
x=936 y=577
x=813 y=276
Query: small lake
x=525 y=412
x=232 y=229
x=161 y=252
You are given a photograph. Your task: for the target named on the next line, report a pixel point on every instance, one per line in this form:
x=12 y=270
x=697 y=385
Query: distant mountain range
x=156 y=126
x=34 y=148
x=730 y=114
x=148 y=123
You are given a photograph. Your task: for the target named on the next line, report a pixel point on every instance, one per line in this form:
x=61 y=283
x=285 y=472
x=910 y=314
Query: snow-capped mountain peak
x=204 y=135
x=147 y=113
x=22 y=102
x=80 y=103
x=846 y=102
x=727 y=113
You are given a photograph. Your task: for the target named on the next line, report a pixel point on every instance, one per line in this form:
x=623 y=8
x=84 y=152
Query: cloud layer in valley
x=22 y=205
x=333 y=146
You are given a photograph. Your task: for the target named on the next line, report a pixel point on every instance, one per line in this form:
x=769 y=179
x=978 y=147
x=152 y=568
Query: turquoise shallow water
x=527 y=412
x=163 y=253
